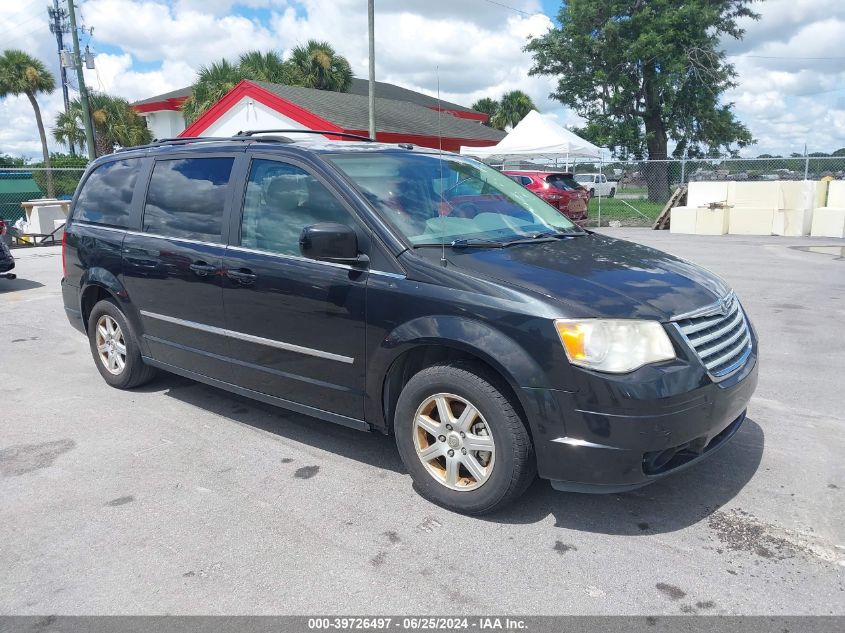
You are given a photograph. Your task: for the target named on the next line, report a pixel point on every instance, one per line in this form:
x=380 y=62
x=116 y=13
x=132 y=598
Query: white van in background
x=597 y=184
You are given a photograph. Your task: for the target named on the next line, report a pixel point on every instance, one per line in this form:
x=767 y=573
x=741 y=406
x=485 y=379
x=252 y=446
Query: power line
x=783 y=57
x=507 y=6
x=20 y=24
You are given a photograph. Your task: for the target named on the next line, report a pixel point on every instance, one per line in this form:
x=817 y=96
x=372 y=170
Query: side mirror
x=331 y=242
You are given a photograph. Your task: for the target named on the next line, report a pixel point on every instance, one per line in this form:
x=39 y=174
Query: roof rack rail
x=179 y=140
x=249 y=133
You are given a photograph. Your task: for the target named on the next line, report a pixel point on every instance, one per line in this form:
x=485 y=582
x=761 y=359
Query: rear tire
x=492 y=461
x=612 y=192
x=115 y=348
x=592 y=193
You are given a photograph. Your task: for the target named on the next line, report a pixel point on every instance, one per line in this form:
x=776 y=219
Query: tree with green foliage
x=488 y=106
x=506 y=112
x=513 y=106
x=314 y=65
x=116 y=123
x=317 y=65
x=213 y=82
x=644 y=73
x=267 y=66
x=22 y=74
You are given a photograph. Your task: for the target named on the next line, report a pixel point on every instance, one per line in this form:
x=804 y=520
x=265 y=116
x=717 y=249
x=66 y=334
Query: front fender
x=474 y=337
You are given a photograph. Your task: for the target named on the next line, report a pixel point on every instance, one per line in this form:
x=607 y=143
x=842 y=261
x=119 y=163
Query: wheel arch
x=430 y=340
x=99 y=284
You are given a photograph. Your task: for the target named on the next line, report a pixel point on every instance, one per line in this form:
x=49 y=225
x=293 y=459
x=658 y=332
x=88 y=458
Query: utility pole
x=59 y=27
x=80 y=78
x=372 y=28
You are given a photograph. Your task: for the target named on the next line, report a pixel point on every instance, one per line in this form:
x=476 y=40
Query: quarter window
x=106 y=196
x=187 y=197
x=281 y=200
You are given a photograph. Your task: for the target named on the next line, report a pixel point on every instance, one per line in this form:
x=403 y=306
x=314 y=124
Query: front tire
x=461 y=439
x=114 y=347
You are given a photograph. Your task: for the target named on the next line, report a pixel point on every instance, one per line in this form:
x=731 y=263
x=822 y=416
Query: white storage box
x=683 y=220
x=751 y=221
x=700 y=194
x=828 y=222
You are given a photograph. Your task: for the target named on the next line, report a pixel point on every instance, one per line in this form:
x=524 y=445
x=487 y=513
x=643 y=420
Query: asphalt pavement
x=178 y=498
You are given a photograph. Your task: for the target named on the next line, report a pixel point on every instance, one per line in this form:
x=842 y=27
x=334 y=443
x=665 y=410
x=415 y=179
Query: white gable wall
x=165 y=123
x=248 y=114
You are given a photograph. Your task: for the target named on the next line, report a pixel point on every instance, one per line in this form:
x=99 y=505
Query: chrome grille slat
x=734 y=353
x=703 y=324
x=707 y=353
x=696 y=342
x=723 y=339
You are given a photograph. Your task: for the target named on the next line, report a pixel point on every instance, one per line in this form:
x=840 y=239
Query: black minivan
x=411 y=292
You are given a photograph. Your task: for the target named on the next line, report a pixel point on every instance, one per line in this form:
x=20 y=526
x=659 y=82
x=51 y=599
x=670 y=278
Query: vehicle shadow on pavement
x=374 y=449
x=673 y=503
x=14 y=285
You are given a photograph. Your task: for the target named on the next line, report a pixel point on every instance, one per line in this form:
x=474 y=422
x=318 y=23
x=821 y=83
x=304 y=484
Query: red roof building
x=402 y=115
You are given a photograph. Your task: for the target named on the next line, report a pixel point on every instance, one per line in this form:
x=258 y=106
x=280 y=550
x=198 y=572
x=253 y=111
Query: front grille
x=722 y=339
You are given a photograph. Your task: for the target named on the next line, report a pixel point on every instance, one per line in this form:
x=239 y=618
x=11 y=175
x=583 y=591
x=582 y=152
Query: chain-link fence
x=626 y=193
x=633 y=193
x=21 y=184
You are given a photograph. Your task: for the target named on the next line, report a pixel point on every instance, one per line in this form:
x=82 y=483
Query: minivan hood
x=595 y=275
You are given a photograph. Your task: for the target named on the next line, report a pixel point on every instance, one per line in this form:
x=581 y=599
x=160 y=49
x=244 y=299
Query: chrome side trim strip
x=574 y=441
x=242 y=336
x=382 y=273
x=256 y=251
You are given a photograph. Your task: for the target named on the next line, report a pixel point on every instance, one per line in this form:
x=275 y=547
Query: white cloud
x=146 y=47
x=792 y=77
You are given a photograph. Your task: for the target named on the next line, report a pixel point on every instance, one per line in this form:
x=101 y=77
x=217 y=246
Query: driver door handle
x=243 y=276
x=202 y=269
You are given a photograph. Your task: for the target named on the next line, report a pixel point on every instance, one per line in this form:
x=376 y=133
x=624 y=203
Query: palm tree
x=488 y=106
x=212 y=83
x=21 y=73
x=317 y=65
x=512 y=109
x=116 y=123
x=267 y=66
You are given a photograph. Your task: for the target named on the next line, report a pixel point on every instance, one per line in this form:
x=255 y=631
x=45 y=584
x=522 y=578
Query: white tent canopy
x=537 y=136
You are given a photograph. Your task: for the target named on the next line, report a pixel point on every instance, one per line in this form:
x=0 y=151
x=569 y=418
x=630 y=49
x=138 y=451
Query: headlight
x=614 y=345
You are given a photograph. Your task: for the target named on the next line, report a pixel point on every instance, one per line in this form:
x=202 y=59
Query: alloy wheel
x=454 y=442
x=111 y=345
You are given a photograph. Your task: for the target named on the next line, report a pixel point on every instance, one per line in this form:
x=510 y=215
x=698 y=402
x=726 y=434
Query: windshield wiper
x=543 y=237
x=477 y=243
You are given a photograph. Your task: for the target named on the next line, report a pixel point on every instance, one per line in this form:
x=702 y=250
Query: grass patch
x=615 y=209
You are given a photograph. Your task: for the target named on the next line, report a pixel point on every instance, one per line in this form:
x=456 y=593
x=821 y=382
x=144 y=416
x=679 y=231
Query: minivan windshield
x=432 y=199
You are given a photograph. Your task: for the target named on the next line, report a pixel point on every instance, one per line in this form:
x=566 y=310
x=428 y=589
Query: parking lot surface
x=178 y=498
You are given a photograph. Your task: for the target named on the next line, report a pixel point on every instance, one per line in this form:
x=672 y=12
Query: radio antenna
x=440 y=207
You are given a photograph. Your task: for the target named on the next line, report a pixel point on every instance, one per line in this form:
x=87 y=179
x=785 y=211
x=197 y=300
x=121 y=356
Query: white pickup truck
x=597 y=184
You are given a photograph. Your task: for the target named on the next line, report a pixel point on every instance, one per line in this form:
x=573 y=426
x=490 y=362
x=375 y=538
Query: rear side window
x=106 y=196
x=186 y=198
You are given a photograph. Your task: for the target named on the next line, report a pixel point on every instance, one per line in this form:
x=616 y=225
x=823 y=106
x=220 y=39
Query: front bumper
x=610 y=436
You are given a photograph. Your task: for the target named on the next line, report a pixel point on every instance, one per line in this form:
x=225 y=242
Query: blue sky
x=792 y=84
